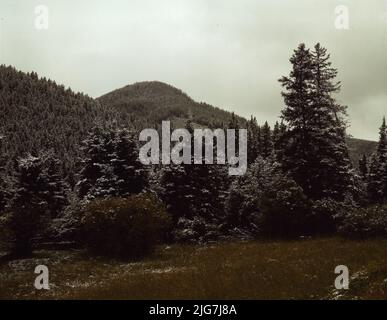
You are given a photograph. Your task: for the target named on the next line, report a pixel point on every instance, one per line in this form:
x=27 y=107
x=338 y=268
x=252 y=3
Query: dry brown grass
x=253 y=270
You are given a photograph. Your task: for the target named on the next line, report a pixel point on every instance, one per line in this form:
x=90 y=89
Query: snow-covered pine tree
x=316 y=153
x=243 y=202
x=194 y=195
x=297 y=158
x=105 y=185
x=267 y=143
x=174 y=190
x=329 y=130
x=205 y=192
x=96 y=165
x=29 y=205
x=131 y=175
x=111 y=166
x=210 y=182
x=57 y=188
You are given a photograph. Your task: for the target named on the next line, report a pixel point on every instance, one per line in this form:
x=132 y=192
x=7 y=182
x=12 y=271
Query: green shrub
x=365 y=222
x=124 y=227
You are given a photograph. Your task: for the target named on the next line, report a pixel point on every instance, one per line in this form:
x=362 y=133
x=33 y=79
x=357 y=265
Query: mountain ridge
x=155 y=101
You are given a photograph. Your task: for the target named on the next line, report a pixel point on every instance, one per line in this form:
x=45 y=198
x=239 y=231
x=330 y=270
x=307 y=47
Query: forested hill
x=38 y=114
x=146 y=104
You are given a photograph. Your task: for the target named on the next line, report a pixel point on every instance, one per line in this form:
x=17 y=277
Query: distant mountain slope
x=358 y=147
x=146 y=104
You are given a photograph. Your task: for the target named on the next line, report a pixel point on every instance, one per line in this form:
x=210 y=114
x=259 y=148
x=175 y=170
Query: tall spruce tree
x=57 y=189
x=40 y=194
x=330 y=128
x=131 y=175
x=98 y=150
x=175 y=191
x=194 y=191
x=296 y=155
x=29 y=205
x=316 y=154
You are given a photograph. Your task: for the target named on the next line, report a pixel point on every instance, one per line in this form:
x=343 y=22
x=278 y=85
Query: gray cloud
x=227 y=53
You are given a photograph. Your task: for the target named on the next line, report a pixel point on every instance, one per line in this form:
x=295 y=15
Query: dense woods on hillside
x=37 y=115
x=71 y=172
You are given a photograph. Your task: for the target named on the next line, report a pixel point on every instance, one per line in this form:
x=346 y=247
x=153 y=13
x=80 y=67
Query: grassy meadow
x=302 y=269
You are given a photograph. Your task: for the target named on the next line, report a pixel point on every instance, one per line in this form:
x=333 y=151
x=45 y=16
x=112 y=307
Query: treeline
x=300 y=182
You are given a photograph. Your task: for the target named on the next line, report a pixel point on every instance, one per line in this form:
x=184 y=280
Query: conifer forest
x=77 y=198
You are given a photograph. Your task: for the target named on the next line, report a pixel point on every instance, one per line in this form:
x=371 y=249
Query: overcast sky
x=229 y=53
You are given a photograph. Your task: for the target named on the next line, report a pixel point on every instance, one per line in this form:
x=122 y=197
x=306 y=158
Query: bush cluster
x=124 y=227
x=365 y=222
